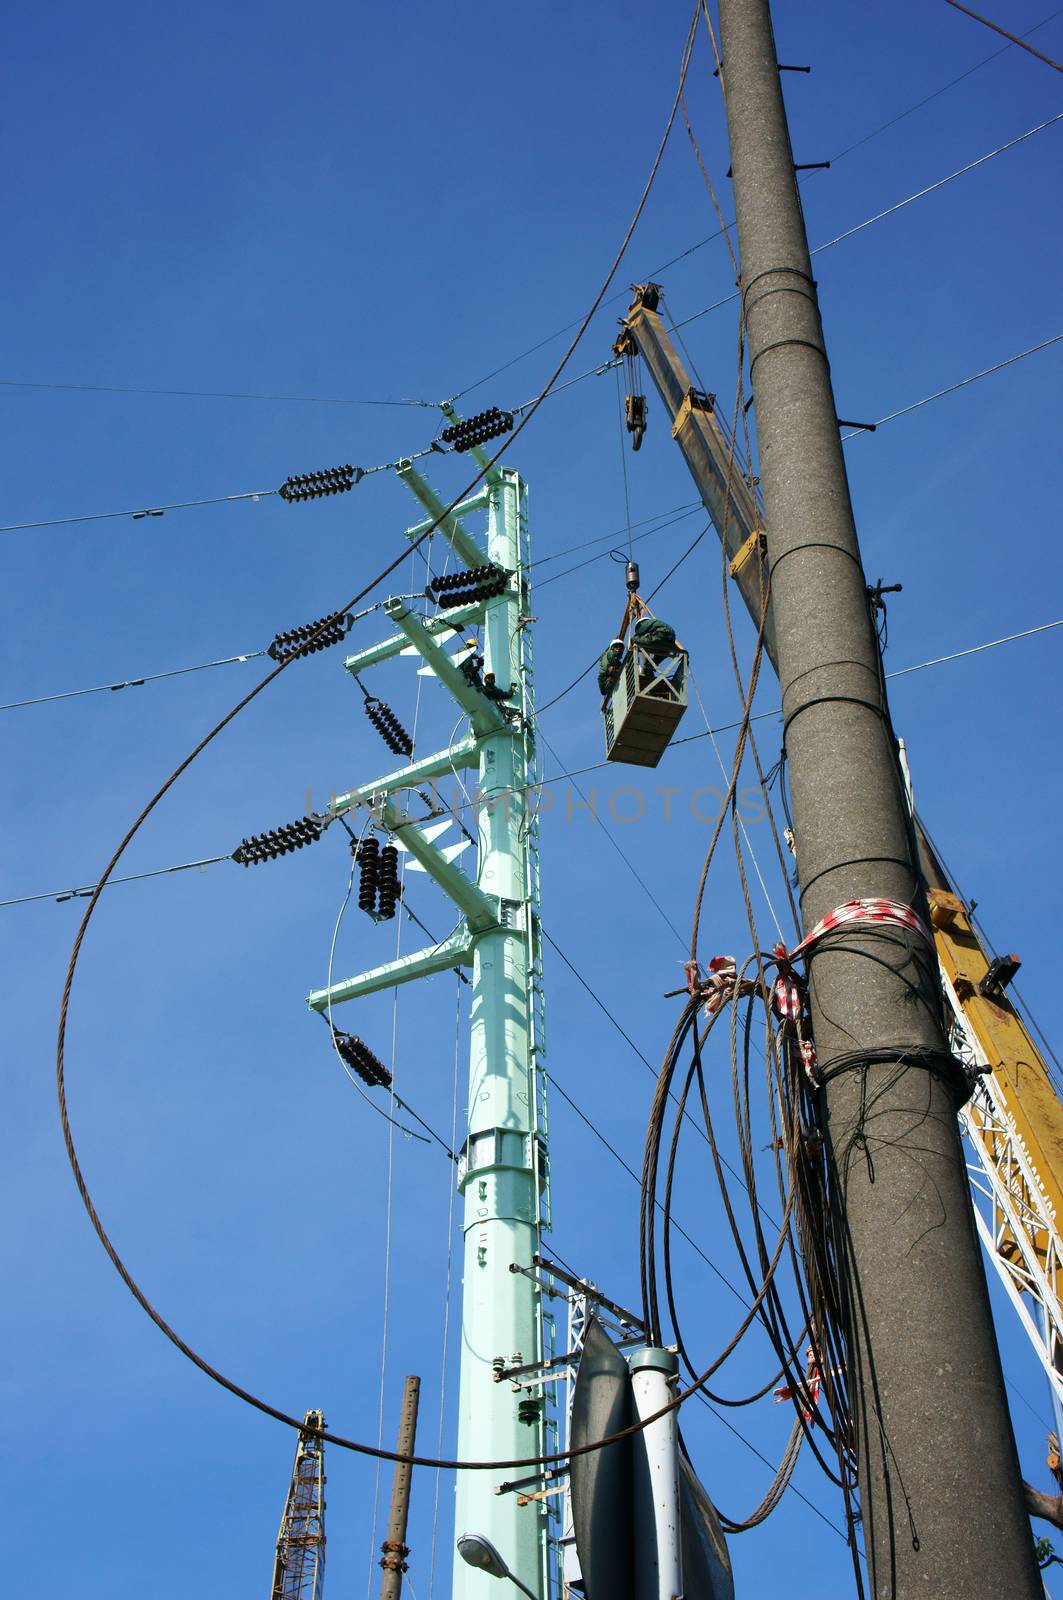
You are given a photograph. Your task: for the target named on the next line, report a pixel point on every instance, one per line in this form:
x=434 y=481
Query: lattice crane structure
x=299 y=1566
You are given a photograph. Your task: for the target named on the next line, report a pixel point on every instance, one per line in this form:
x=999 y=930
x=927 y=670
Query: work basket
x=646 y=705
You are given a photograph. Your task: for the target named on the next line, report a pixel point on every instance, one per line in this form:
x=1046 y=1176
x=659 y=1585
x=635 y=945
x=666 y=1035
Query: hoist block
x=646 y=706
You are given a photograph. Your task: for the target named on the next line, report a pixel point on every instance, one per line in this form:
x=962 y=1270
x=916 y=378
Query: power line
x=690 y=250
x=560 y=777
x=919 y=104
x=952 y=388
x=639 y=879
x=680 y=516
x=599 y=1135
x=614 y=1152
x=676 y=1225
x=890 y=211
x=133 y=877
x=677 y=514
x=187 y=1350
x=333 y=400
x=673 y=511
x=209 y=394
x=829 y=244
x=931 y=187
x=132 y=683
x=143 y=512
x=140 y=513
x=976 y=649
x=430 y=405
x=1014 y=38
x=890 y=417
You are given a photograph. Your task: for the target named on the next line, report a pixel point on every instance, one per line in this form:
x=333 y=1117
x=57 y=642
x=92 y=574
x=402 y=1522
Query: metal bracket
x=452 y=622
x=693 y=400
x=450 y=525
x=460 y=755
x=485 y=715
x=757 y=543
x=453 y=952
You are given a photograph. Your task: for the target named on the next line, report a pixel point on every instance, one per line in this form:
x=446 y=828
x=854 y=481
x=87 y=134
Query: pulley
x=635 y=418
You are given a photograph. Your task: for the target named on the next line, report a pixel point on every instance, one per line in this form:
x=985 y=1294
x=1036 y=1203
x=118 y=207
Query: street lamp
x=479 y=1552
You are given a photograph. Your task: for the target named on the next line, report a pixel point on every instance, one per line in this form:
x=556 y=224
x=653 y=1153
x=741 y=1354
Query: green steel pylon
x=503 y=1172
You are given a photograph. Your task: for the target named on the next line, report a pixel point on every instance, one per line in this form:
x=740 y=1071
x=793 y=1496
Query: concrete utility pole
x=395 y=1547
x=503 y=1171
x=941 y=1493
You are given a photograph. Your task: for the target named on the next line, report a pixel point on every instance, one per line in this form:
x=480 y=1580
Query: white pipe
x=658 y=1555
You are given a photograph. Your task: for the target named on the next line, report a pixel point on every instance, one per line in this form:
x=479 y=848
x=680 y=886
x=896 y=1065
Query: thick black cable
x=1013 y=38
x=597 y=766
x=677 y=514
x=134 y=1288
x=689 y=250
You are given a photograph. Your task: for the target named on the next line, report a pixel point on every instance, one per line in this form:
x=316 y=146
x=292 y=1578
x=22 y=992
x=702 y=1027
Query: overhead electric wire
x=139 y=513
x=142 y=513
x=930 y=188
x=675 y=515
x=602 y=538
x=1013 y=38
x=611 y=1019
x=560 y=777
x=890 y=211
x=132 y=877
x=431 y=405
x=614 y=1152
x=530 y=406
x=218 y=1377
x=700 y=244
x=951 y=388
x=892 y=416
x=639 y=879
x=133 y=683
x=975 y=649
x=210 y=394
x=919 y=104
x=660 y=527
x=333 y=400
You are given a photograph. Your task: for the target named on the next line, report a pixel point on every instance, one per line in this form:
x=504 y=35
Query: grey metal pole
x=395 y=1547
x=941 y=1494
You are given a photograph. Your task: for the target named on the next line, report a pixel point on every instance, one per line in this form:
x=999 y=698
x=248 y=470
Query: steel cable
x=139 y=1295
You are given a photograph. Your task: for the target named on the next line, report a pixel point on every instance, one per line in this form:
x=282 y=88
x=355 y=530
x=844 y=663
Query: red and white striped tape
x=785 y=994
x=867 y=911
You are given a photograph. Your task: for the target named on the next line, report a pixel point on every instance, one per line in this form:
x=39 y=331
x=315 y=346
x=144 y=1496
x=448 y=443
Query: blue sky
x=353 y=202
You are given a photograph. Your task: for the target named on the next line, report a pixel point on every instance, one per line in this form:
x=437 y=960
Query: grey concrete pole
x=941 y=1493
x=394 y=1547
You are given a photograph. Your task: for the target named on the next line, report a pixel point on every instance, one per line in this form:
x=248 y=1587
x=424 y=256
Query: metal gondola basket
x=646 y=704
